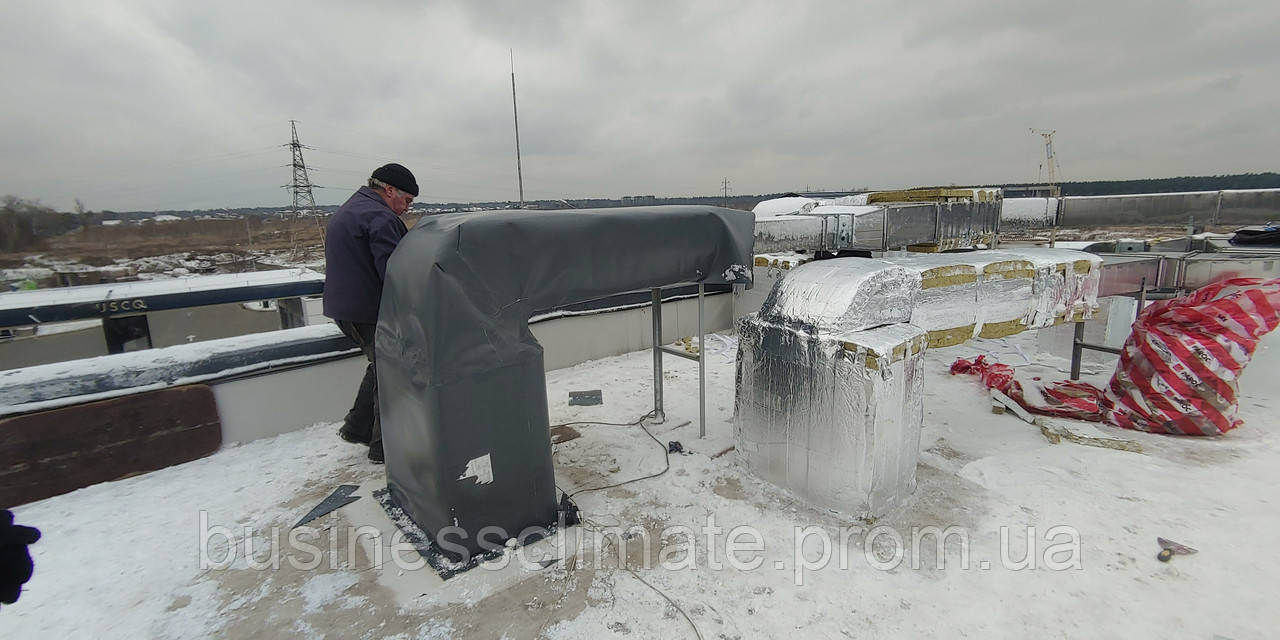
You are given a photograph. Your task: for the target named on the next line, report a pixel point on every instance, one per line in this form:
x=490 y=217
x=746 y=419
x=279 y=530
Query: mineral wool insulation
x=829 y=403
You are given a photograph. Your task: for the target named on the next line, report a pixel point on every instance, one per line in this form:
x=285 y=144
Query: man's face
x=398 y=200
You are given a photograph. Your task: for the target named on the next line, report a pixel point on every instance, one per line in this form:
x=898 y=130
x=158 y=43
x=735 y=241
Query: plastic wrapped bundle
x=1005 y=293
x=842 y=296
x=835 y=419
x=947 y=305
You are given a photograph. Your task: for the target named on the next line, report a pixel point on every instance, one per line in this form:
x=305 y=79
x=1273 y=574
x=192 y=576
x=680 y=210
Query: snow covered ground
x=124 y=559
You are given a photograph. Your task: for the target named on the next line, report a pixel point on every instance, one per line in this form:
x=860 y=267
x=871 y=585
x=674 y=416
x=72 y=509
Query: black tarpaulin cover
x=460 y=377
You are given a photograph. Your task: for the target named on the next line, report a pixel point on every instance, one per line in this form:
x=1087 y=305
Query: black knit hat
x=397 y=176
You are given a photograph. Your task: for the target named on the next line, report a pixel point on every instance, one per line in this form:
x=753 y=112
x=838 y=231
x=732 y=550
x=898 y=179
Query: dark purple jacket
x=360 y=238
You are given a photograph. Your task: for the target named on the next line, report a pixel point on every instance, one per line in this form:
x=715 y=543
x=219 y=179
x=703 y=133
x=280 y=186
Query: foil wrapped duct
x=947 y=305
x=1050 y=293
x=833 y=417
x=842 y=296
x=1080 y=272
x=1005 y=292
x=787 y=233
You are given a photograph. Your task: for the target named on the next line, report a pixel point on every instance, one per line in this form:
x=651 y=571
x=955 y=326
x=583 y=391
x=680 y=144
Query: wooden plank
x=49 y=453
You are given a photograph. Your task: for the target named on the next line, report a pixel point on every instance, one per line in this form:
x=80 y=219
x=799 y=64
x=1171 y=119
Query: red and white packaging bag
x=1179 y=369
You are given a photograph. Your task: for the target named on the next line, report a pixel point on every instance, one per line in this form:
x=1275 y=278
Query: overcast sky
x=176 y=105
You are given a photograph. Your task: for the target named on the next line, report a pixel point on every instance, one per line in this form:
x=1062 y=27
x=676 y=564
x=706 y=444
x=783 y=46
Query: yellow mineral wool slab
x=948 y=276
x=951 y=337
x=920 y=195
x=1003 y=329
x=1009 y=269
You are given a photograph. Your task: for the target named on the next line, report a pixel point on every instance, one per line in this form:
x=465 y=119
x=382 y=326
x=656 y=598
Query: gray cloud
x=152 y=104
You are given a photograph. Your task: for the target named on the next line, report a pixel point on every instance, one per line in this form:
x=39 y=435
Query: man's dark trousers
x=362 y=423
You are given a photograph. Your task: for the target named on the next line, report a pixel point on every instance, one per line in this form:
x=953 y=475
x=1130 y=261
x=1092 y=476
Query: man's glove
x=15 y=562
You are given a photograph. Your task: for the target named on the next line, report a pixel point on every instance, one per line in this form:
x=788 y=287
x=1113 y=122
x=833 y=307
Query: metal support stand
x=660 y=416
x=1078 y=345
x=702 y=366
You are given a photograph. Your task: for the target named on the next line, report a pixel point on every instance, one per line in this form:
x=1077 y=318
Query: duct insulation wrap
x=1005 y=290
x=842 y=295
x=461 y=386
x=1066 y=284
x=833 y=417
x=1001 y=292
x=947 y=306
x=787 y=233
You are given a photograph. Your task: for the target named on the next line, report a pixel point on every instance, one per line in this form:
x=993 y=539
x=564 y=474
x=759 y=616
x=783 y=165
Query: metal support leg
x=1077 y=351
x=702 y=368
x=659 y=416
x=1142 y=299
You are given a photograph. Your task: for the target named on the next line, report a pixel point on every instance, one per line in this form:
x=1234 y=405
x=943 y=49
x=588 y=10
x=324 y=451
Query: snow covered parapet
x=829 y=403
x=76 y=381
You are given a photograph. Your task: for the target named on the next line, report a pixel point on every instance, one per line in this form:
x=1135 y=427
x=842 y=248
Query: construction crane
x=1050 y=161
x=1054 y=191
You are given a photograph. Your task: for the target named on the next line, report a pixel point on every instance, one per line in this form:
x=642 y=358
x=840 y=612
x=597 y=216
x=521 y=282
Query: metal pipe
x=1099 y=347
x=659 y=416
x=702 y=367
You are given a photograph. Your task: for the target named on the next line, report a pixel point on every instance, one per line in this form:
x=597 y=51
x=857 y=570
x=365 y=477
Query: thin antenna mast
x=516 y=115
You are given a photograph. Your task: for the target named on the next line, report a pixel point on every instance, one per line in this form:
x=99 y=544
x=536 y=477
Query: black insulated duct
x=460 y=377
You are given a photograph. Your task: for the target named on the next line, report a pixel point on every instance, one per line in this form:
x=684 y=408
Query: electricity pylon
x=303 y=199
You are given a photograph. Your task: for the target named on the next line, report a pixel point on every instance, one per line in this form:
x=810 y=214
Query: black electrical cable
x=666 y=453
x=634 y=423
x=666 y=463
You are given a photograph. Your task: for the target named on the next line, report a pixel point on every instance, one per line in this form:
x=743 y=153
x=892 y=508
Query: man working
x=360 y=238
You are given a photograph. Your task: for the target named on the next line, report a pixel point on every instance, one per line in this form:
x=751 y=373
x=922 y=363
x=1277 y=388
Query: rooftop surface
x=124 y=559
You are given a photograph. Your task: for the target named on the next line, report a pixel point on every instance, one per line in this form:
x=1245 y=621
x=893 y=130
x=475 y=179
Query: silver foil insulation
x=834 y=418
x=829 y=400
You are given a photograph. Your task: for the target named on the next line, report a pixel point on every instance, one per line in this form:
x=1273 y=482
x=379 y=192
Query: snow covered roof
x=1036 y=538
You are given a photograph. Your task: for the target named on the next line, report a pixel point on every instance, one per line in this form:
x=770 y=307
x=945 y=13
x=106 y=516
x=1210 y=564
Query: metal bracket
x=659 y=415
